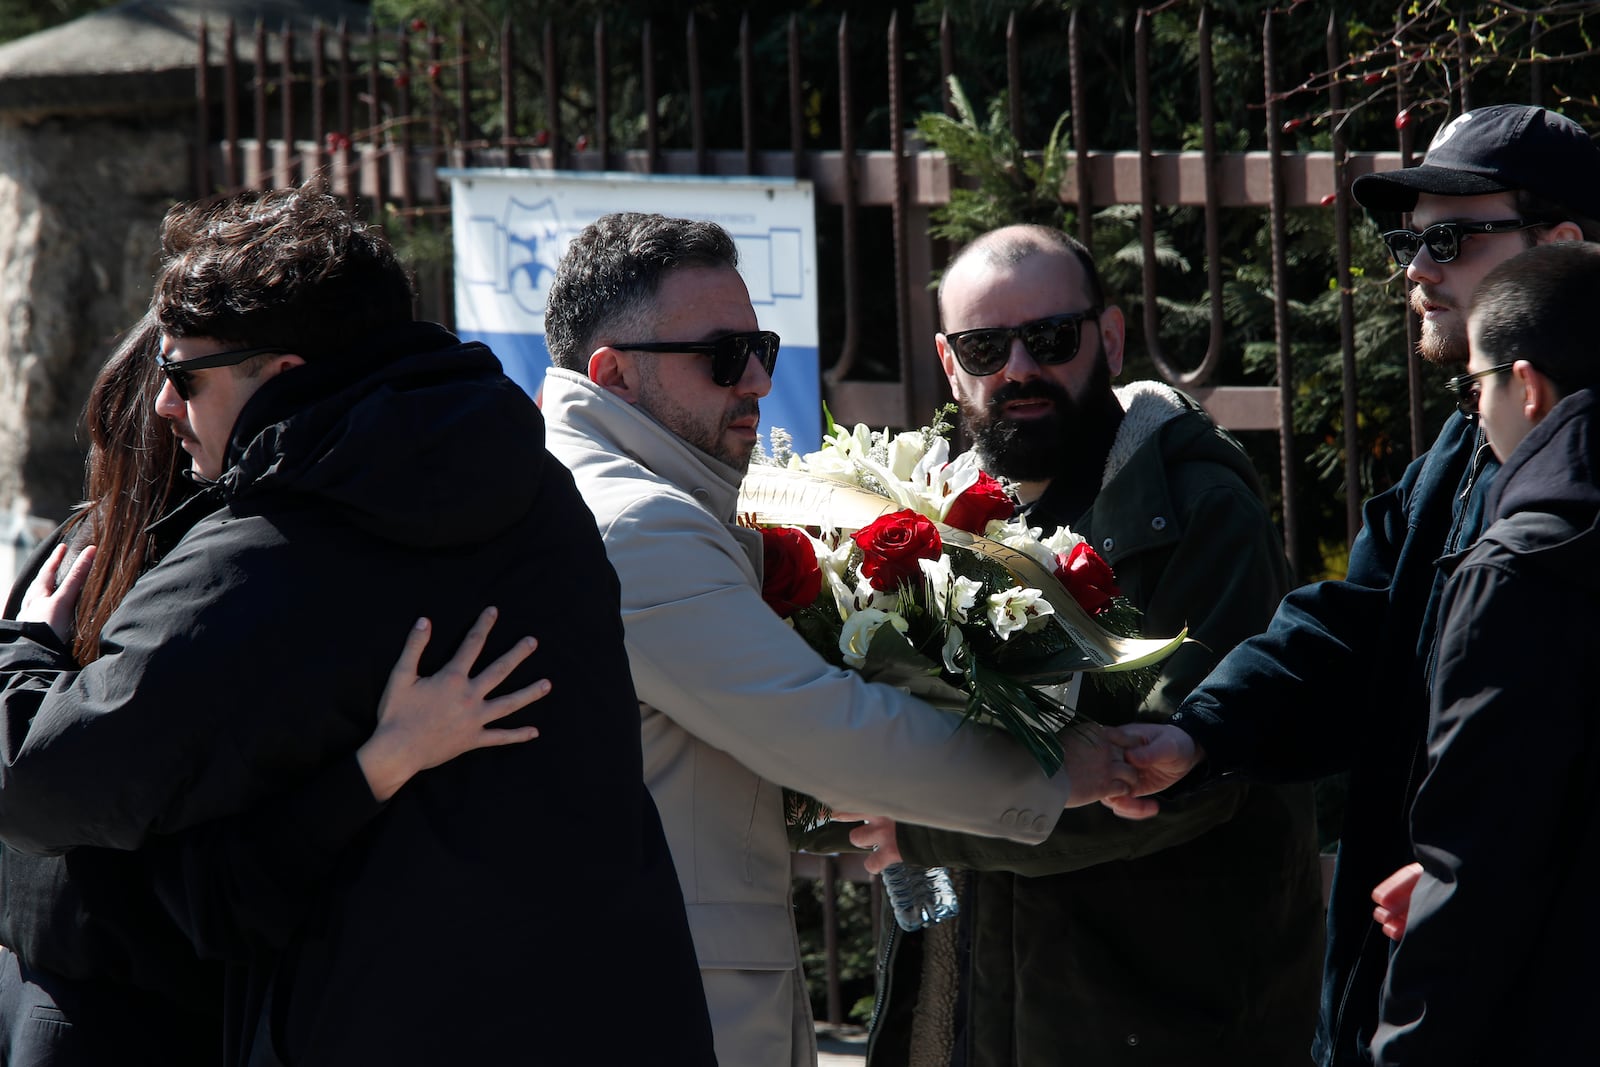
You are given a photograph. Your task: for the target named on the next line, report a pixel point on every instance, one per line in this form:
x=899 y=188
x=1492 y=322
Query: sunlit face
x=204 y=422
x=701 y=304
x=1501 y=409
x=1022 y=414
x=1442 y=292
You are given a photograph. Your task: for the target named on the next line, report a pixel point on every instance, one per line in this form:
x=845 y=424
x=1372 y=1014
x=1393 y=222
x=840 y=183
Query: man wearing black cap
x=1340 y=681
x=1483 y=970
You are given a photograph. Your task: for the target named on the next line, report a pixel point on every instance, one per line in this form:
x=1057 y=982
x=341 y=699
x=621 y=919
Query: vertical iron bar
x=602 y=94
x=230 y=106
x=1280 y=296
x=286 y=175
x=849 y=197
x=258 y=166
x=1014 y=76
x=464 y=132
x=402 y=107
x=319 y=100
x=1347 y=314
x=898 y=212
x=376 y=155
x=1208 y=145
x=747 y=94
x=1150 y=310
x=652 y=121
x=552 y=98
x=1080 y=129
x=830 y=936
x=1463 y=66
x=697 y=97
x=202 y=94
x=346 y=119
x=1414 y=381
x=947 y=62
x=797 y=161
x=508 y=92
x=435 y=96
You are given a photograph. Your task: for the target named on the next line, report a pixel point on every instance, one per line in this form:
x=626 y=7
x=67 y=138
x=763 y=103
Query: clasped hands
x=1117 y=766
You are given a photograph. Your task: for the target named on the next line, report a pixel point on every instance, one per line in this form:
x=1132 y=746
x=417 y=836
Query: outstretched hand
x=1159 y=755
x=1095 y=765
x=423 y=722
x=877 y=836
x=51 y=602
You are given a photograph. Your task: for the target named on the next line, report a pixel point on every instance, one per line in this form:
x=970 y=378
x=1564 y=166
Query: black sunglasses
x=984 y=351
x=178 y=371
x=1443 y=239
x=1469 y=388
x=728 y=354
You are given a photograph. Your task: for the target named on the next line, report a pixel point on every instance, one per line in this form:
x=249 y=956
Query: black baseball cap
x=1496 y=149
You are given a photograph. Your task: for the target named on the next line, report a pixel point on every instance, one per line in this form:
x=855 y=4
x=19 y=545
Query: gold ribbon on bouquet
x=778 y=496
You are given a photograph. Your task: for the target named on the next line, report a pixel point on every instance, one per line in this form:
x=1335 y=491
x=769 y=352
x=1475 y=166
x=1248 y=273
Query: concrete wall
x=80 y=206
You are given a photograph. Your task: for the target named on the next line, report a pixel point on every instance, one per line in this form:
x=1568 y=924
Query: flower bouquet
x=895 y=560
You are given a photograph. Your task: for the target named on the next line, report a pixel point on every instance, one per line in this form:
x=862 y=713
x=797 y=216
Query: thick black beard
x=1037 y=450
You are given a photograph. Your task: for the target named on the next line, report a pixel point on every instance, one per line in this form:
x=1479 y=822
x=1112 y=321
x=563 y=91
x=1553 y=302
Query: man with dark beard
x=653 y=401
x=1341 y=680
x=1113 y=938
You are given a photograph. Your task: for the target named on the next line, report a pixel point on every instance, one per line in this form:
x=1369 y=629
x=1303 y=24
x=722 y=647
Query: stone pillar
x=80 y=207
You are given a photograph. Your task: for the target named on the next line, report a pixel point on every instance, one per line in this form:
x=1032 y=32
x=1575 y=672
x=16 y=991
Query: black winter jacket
x=1339 y=682
x=1492 y=968
x=239 y=676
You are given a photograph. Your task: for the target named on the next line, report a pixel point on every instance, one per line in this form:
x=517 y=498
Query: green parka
x=1192 y=938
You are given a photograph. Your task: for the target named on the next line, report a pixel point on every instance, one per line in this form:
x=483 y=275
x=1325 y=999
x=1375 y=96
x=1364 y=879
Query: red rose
x=1088 y=578
x=980 y=505
x=891 y=547
x=791 y=579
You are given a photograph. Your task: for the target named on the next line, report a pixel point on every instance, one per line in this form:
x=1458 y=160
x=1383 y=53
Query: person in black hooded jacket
x=361 y=467
x=1482 y=973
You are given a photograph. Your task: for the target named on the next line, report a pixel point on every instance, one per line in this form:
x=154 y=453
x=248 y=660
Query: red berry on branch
x=1330 y=199
x=583 y=142
x=541 y=139
x=1293 y=125
x=1402 y=120
x=1373 y=77
x=402 y=80
x=434 y=70
x=418 y=25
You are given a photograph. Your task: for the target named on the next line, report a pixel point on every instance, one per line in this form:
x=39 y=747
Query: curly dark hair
x=608 y=277
x=290 y=268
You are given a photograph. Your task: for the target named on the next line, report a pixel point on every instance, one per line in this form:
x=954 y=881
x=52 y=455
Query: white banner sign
x=512 y=227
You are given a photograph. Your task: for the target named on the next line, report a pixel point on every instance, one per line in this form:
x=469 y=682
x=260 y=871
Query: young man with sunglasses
x=1061 y=951
x=1341 y=680
x=1482 y=972
x=653 y=402
x=358 y=468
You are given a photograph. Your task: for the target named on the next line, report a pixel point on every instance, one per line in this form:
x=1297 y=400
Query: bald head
x=1010 y=246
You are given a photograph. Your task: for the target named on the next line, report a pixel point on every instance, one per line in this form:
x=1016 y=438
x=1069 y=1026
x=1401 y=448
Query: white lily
x=1062 y=541
x=859 y=630
x=953 y=595
x=1018 y=610
x=905 y=451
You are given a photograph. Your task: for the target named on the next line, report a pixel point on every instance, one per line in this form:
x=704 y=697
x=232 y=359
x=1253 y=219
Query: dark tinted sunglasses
x=1443 y=239
x=1468 y=388
x=728 y=354
x=984 y=351
x=178 y=371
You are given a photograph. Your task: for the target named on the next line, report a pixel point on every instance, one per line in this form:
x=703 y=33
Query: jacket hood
x=1556 y=468
x=1150 y=406
x=408 y=437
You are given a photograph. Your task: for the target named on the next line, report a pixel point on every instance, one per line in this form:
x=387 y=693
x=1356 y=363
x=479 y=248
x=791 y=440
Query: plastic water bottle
x=921 y=896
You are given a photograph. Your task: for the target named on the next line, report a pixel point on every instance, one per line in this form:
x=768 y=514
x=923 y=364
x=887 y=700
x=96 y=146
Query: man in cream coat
x=653 y=403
